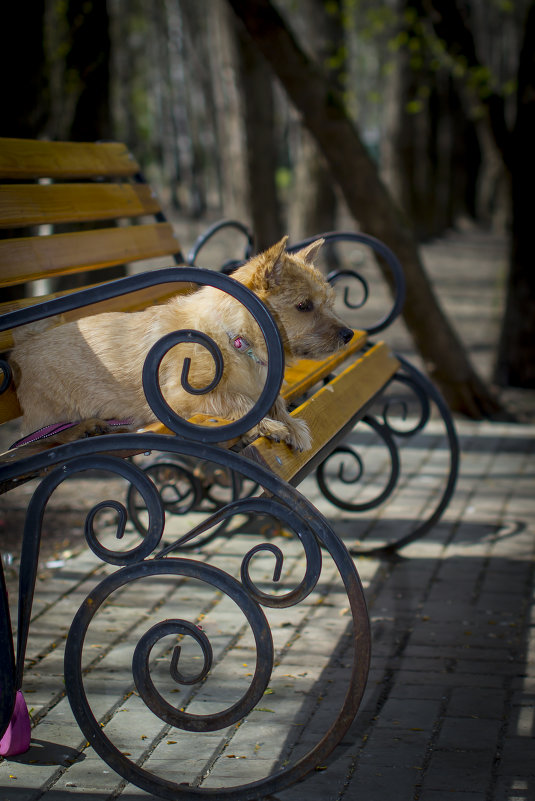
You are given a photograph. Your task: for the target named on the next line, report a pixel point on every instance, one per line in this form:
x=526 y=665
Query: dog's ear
x=273 y=262
x=309 y=253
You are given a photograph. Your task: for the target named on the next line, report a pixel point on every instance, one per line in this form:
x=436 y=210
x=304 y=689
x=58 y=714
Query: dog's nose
x=346 y=335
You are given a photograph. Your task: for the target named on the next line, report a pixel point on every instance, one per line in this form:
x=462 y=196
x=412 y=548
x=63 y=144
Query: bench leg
x=341 y=486
x=16 y=735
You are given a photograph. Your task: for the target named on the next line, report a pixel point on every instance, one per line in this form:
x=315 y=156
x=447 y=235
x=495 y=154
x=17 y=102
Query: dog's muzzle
x=346 y=335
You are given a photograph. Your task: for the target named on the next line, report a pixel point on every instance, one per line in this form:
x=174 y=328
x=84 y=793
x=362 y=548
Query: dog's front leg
x=278 y=426
x=281 y=427
x=298 y=436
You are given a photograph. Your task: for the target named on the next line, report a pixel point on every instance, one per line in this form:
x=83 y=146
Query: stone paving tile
x=454 y=770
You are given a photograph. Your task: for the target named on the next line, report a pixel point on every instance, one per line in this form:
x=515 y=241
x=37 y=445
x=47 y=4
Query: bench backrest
x=106 y=215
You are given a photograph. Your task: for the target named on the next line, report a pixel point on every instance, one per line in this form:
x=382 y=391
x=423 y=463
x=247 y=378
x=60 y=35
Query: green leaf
x=414 y=107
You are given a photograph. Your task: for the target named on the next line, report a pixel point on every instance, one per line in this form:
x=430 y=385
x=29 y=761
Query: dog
x=90 y=369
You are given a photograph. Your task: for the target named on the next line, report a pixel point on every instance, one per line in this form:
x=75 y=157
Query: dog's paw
x=272 y=429
x=299 y=437
x=294 y=432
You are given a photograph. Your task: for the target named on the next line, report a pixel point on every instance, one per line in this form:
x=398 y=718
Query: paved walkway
x=450 y=702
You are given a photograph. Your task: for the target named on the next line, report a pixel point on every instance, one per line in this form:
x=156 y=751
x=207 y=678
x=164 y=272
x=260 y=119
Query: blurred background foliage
x=440 y=92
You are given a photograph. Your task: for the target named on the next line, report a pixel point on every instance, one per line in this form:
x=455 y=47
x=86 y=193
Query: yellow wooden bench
x=30 y=199
x=77 y=185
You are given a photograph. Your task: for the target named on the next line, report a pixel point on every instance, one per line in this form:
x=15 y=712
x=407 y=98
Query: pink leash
x=16 y=739
x=55 y=428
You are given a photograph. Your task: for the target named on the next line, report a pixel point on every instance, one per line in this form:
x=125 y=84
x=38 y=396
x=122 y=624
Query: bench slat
x=299 y=378
x=25 y=159
x=30 y=258
x=329 y=413
x=35 y=204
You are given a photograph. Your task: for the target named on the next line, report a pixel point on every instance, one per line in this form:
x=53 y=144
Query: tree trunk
x=25 y=86
x=26 y=94
x=178 y=150
x=256 y=83
x=516 y=354
x=515 y=364
x=324 y=114
x=314 y=203
x=430 y=146
x=229 y=114
x=87 y=74
x=88 y=60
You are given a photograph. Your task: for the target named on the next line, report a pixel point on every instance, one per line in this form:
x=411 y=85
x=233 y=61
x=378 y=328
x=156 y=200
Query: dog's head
x=299 y=298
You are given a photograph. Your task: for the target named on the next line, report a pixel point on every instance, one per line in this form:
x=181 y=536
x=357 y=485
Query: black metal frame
x=283 y=503
x=423 y=389
x=152 y=557
x=426 y=394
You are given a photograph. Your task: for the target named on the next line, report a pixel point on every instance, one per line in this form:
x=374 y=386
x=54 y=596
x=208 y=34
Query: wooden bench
x=74 y=185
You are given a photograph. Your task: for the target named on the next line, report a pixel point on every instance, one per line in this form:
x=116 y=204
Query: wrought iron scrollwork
x=336 y=275
x=148 y=560
x=351 y=474
x=169 y=714
x=7 y=663
x=191 y=337
x=214 y=229
x=188 y=487
x=284 y=504
x=393 y=269
x=395 y=424
x=70 y=453
x=6 y=375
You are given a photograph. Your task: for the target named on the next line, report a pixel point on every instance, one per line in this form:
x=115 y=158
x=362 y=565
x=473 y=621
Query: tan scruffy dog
x=91 y=368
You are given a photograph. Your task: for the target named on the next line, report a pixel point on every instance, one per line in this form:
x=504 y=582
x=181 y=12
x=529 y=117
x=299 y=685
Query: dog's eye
x=305 y=306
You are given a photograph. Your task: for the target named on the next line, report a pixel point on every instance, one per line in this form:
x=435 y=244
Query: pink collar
x=241 y=344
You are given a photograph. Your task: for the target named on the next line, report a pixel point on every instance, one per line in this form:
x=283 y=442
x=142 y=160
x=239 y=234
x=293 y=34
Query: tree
x=323 y=112
x=88 y=62
x=430 y=153
x=256 y=84
x=228 y=101
x=86 y=115
x=315 y=203
x=516 y=354
x=26 y=85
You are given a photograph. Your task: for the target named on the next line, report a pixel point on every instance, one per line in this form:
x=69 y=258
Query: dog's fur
x=91 y=368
